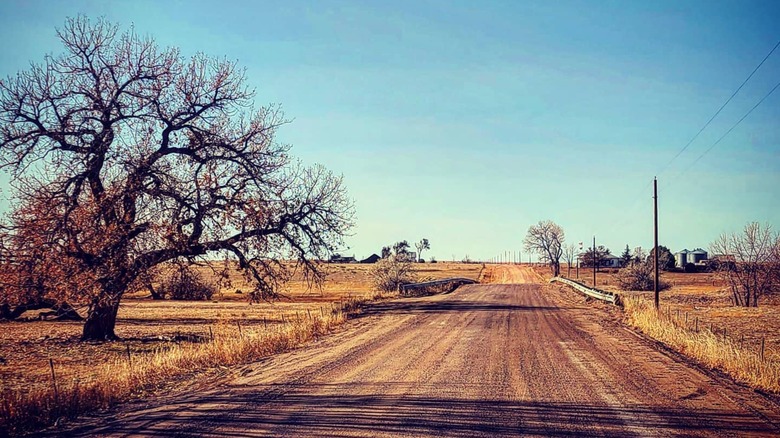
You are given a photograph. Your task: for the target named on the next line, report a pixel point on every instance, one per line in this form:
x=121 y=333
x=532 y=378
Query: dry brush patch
x=747 y=363
x=123 y=377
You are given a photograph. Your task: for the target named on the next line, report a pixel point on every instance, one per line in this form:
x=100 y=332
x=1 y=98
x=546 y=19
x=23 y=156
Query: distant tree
x=130 y=156
x=665 y=258
x=626 y=258
x=400 y=247
x=546 y=239
x=638 y=276
x=639 y=255
x=391 y=272
x=422 y=245
x=601 y=255
x=386 y=252
x=753 y=261
x=570 y=255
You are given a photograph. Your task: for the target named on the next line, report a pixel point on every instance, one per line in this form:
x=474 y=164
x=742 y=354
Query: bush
x=186 y=284
x=389 y=273
x=638 y=276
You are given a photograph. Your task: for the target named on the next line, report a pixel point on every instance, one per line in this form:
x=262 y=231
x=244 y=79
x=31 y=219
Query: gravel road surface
x=521 y=359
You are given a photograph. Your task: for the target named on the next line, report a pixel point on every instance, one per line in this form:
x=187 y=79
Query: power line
x=721 y=108
x=733 y=126
x=638 y=198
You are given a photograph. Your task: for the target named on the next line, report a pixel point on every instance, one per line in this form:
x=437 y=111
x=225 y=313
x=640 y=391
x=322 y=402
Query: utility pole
x=595 y=262
x=655 y=240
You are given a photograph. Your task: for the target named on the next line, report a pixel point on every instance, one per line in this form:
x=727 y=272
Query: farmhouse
x=611 y=261
x=338 y=258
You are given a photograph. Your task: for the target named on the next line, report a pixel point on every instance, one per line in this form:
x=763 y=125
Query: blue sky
x=466 y=122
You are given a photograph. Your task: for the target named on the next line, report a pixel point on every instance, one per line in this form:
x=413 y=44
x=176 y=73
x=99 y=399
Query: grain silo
x=697 y=256
x=681 y=258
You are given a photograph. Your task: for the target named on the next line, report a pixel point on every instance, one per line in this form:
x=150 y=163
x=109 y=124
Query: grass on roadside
x=22 y=411
x=708 y=348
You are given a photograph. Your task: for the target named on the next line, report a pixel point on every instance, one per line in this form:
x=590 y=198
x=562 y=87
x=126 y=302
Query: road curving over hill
x=486 y=360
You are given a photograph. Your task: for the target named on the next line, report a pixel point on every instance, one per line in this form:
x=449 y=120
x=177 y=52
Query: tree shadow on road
x=419 y=307
x=352 y=409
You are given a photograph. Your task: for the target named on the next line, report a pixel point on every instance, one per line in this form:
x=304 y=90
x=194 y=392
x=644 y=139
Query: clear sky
x=467 y=121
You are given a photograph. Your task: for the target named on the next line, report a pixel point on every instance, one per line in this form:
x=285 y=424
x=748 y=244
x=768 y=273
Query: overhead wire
x=719 y=109
x=732 y=127
x=638 y=197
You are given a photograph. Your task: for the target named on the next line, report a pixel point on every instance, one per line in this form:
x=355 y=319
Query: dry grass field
x=151 y=330
x=698 y=318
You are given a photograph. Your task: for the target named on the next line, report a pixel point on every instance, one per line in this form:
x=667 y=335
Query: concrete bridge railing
x=598 y=294
x=448 y=284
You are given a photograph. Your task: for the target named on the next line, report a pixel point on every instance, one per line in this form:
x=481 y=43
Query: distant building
x=697 y=257
x=338 y=258
x=373 y=258
x=611 y=261
x=409 y=256
x=681 y=258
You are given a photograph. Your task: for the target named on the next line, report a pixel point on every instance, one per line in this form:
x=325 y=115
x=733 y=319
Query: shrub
x=389 y=273
x=186 y=284
x=638 y=276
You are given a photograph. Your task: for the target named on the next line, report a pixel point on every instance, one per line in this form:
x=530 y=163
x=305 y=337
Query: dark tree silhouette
x=136 y=156
x=546 y=239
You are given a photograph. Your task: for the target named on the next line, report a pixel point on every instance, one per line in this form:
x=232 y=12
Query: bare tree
x=136 y=156
x=388 y=274
x=748 y=261
x=546 y=239
x=570 y=255
x=639 y=255
x=401 y=247
x=422 y=245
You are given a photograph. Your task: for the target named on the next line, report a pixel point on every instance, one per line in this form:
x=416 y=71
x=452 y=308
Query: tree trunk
x=101 y=322
x=62 y=311
x=155 y=294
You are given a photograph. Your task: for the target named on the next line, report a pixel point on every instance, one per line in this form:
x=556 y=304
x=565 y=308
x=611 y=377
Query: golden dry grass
x=743 y=362
x=698 y=319
x=167 y=339
x=123 y=376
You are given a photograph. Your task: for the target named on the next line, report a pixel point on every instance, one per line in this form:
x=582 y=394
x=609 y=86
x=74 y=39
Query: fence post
x=240 y=333
x=57 y=392
x=211 y=334
x=129 y=358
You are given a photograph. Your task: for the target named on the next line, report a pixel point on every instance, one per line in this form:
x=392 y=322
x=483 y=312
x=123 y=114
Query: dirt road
x=485 y=360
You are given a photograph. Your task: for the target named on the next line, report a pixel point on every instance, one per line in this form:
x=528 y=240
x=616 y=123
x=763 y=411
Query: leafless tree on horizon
x=125 y=155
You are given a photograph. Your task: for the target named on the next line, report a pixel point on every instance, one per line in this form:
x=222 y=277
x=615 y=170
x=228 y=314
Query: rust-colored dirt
x=485 y=360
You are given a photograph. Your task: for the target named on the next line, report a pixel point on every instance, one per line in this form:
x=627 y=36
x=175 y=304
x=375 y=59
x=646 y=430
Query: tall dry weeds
x=22 y=411
x=743 y=364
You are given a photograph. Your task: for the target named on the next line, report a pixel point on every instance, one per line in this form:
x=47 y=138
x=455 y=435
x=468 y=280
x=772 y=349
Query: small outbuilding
x=373 y=258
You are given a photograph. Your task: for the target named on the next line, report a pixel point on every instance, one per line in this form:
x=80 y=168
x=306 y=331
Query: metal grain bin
x=681 y=258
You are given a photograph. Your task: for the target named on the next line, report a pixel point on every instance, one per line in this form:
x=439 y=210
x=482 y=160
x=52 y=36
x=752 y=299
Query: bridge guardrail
x=591 y=292
x=405 y=289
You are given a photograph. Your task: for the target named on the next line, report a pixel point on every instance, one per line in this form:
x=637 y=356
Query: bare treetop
x=147 y=157
x=546 y=239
